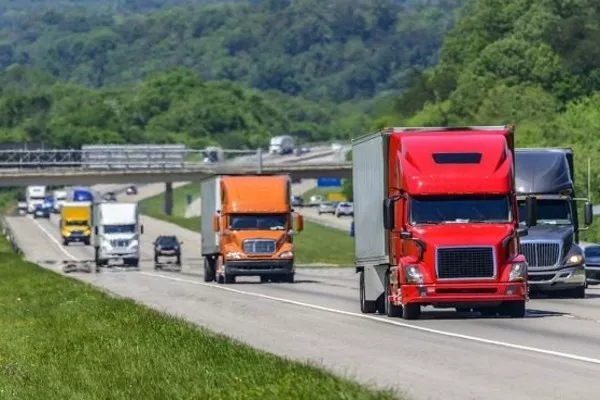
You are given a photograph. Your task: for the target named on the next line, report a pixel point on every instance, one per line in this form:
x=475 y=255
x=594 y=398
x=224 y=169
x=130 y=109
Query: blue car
x=41 y=211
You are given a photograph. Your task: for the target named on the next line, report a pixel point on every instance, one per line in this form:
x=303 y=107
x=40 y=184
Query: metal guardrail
x=9 y=235
x=142 y=158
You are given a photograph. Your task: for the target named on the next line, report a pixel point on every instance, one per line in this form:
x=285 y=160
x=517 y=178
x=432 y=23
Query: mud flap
x=374 y=281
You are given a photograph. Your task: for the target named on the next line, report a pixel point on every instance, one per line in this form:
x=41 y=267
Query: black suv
x=167 y=246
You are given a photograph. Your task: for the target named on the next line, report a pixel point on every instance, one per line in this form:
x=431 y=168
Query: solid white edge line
x=386 y=321
x=56 y=242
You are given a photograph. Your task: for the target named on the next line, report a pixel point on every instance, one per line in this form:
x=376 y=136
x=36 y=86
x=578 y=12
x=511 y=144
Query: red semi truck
x=437 y=222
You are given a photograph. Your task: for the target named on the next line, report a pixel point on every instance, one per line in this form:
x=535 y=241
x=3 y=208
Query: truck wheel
x=288 y=278
x=135 y=263
x=178 y=262
x=264 y=279
x=65 y=242
x=390 y=310
x=515 y=309
x=463 y=310
x=228 y=279
x=87 y=242
x=411 y=311
x=209 y=270
x=366 y=306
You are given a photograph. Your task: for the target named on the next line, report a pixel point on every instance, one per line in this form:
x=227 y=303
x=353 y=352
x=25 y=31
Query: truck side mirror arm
x=522 y=231
x=531 y=205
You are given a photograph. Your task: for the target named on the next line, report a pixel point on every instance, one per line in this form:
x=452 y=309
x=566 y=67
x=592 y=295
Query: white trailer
x=117 y=231
x=211 y=203
x=60 y=196
x=281 y=145
x=34 y=195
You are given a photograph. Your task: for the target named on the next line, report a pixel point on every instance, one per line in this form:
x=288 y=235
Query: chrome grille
x=259 y=246
x=465 y=262
x=119 y=242
x=541 y=254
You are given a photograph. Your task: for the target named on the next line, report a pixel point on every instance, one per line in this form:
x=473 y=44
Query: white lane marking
x=387 y=321
x=56 y=242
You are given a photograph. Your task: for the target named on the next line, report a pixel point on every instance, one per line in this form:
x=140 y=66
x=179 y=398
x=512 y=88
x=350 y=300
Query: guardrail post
x=169 y=198
x=260 y=160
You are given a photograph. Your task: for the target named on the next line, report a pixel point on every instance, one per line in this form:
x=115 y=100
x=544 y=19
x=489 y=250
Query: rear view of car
x=167 y=247
x=327 y=207
x=344 y=209
x=41 y=211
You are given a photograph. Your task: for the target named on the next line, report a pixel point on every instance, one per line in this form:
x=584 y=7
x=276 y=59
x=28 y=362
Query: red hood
x=462 y=234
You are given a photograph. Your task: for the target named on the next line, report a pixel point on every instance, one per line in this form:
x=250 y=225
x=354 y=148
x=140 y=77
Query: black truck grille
x=465 y=262
x=259 y=246
x=542 y=254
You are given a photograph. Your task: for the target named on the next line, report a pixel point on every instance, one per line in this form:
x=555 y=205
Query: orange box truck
x=247 y=228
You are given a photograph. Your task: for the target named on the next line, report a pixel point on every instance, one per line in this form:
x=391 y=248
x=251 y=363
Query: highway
x=554 y=353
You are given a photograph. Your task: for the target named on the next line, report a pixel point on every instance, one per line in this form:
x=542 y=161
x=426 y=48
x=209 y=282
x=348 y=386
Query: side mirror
x=141 y=229
x=216 y=224
x=588 y=213
x=389 y=214
x=299 y=222
x=531 y=205
x=95 y=230
x=522 y=231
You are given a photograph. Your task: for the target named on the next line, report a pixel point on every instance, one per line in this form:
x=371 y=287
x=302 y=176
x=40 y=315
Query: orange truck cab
x=437 y=221
x=247 y=228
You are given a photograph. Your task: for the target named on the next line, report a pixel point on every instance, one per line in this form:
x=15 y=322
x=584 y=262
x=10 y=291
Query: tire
x=135 y=263
x=264 y=279
x=390 y=310
x=178 y=261
x=87 y=242
x=578 y=292
x=411 y=311
x=209 y=270
x=462 y=310
x=515 y=309
x=228 y=279
x=366 y=307
x=65 y=242
x=490 y=311
x=289 y=277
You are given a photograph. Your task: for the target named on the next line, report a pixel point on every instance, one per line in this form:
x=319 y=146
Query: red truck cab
x=437 y=223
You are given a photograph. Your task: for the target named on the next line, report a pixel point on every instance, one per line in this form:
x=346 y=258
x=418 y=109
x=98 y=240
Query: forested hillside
x=324 y=50
x=175 y=106
x=532 y=63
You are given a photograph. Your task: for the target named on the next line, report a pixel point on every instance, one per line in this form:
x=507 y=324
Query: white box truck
x=117 y=231
x=34 y=195
x=60 y=196
x=281 y=145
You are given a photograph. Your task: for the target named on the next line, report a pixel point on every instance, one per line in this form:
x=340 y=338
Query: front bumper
x=592 y=273
x=258 y=267
x=565 y=278
x=118 y=253
x=463 y=294
x=77 y=237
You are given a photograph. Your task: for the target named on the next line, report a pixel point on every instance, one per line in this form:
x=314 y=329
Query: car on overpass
x=110 y=196
x=131 y=190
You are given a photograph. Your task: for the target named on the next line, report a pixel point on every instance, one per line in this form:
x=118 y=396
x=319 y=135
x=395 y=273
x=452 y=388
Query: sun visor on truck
x=457 y=158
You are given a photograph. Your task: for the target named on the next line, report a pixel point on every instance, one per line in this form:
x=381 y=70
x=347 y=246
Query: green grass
x=62 y=339
x=322 y=191
x=315 y=245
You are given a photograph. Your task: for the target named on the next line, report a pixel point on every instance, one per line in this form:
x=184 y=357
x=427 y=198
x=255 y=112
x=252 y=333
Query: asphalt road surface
x=553 y=353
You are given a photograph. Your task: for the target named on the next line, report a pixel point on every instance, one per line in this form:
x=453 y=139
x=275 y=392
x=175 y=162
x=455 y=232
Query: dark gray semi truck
x=556 y=262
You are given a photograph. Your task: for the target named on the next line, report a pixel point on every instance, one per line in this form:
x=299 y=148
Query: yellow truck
x=76 y=222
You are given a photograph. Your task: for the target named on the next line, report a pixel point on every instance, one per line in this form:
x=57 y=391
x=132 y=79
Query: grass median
x=62 y=339
x=317 y=244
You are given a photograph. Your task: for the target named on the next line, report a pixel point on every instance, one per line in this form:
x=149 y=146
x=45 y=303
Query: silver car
x=344 y=208
x=327 y=207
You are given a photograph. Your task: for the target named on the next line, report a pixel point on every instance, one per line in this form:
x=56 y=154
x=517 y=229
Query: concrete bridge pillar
x=169 y=198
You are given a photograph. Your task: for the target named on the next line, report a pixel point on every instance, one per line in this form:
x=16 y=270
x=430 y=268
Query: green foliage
x=532 y=63
x=175 y=106
x=333 y=50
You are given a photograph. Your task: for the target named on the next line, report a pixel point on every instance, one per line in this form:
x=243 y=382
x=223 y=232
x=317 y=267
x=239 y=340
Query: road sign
x=329 y=182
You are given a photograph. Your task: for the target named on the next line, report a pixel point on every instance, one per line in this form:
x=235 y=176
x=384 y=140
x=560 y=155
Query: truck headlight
x=412 y=274
x=287 y=254
x=575 y=259
x=518 y=272
x=236 y=255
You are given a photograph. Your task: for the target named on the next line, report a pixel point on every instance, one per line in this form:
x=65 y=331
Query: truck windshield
x=273 y=222
x=126 y=228
x=76 y=223
x=549 y=212
x=459 y=209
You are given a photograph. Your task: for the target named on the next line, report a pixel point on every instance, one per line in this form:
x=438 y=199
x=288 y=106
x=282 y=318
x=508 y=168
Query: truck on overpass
x=436 y=221
x=555 y=260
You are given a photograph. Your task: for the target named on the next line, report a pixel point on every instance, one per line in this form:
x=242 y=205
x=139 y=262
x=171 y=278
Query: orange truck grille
x=259 y=246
